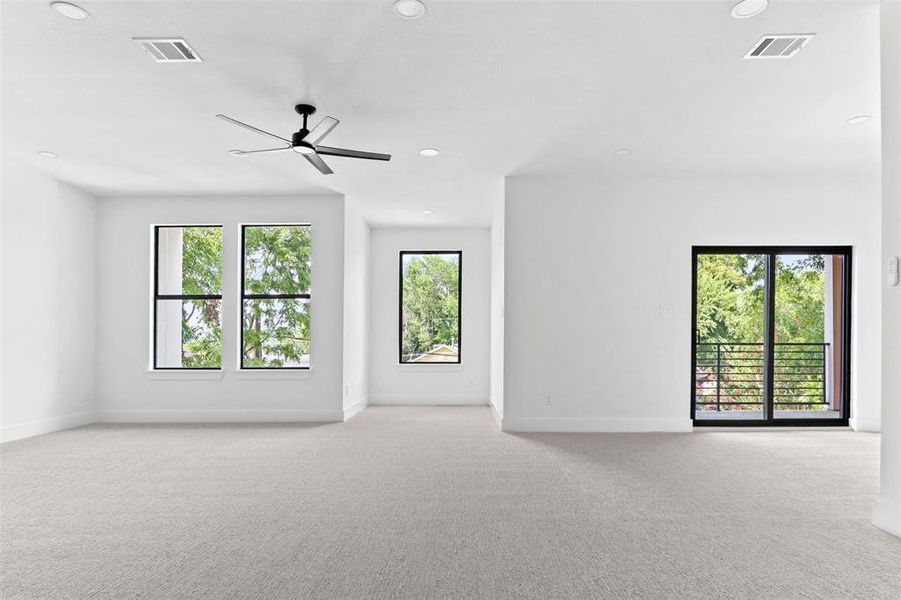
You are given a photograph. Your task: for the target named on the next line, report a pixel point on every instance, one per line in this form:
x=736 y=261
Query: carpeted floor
x=434 y=502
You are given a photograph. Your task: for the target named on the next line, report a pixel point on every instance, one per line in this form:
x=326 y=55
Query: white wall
x=467 y=383
x=127 y=392
x=887 y=513
x=497 y=309
x=589 y=263
x=356 y=310
x=48 y=311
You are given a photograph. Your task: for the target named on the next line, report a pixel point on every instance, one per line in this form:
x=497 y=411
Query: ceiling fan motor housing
x=297 y=138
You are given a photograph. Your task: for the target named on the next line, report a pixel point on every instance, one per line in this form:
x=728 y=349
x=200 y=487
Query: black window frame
x=244 y=296
x=157 y=296
x=771 y=252
x=400 y=307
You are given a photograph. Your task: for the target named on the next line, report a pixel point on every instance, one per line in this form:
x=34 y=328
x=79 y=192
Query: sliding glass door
x=770 y=336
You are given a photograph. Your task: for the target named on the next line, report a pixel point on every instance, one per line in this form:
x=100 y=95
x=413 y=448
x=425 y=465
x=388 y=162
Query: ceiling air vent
x=168 y=49
x=779 y=46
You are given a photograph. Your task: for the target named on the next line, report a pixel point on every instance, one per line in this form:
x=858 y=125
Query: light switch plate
x=891 y=271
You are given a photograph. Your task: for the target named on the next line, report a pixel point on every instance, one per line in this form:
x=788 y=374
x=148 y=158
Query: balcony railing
x=730 y=376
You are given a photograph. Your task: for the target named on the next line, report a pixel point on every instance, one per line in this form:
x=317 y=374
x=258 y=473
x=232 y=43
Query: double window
x=430 y=303
x=275 y=297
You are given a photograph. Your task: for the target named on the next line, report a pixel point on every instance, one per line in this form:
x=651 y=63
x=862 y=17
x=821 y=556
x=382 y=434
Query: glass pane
x=729 y=378
x=189 y=260
x=277 y=259
x=189 y=334
x=807 y=368
x=430 y=318
x=276 y=333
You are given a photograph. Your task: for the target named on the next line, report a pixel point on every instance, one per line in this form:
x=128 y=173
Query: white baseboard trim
x=355 y=409
x=498 y=416
x=222 y=416
x=887 y=516
x=864 y=426
x=40 y=427
x=591 y=424
x=429 y=401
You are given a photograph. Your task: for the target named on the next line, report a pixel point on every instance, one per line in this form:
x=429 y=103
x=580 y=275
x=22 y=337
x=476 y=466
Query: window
x=187 y=297
x=429 y=320
x=275 y=296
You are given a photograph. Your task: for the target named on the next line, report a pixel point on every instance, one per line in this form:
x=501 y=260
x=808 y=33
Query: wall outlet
x=547 y=400
x=665 y=311
x=892 y=276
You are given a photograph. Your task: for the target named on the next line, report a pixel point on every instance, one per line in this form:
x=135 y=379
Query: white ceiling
x=503 y=87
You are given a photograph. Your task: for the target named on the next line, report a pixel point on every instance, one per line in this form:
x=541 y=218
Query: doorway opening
x=771 y=335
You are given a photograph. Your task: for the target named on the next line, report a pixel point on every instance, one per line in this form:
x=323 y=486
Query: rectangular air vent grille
x=168 y=49
x=779 y=46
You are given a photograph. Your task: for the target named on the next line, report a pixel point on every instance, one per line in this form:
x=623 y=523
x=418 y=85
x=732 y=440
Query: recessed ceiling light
x=427 y=212
x=859 y=120
x=429 y=152
x=622 y=152
x=749 y=8
x=409 y=9
x=46 y=153
x=237 y=153
x=70 y=11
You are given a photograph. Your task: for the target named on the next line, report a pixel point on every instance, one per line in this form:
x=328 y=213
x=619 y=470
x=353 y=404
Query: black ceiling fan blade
x=320 y=131
x=328 y=151
x=317 y=162
x=243 y=152
x=252 y=128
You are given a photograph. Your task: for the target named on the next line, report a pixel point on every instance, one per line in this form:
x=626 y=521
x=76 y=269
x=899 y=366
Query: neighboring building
x=440 y=353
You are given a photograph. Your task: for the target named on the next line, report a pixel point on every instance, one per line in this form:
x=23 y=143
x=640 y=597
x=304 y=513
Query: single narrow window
x=187 y=297
x=430 y=302
x=275 y=296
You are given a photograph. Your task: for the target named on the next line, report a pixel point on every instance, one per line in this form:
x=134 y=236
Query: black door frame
x=770 y=330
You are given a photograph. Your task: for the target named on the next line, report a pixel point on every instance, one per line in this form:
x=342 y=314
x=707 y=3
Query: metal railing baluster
x=800 y=374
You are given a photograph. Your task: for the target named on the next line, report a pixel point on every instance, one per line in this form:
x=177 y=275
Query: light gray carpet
x=428 y=502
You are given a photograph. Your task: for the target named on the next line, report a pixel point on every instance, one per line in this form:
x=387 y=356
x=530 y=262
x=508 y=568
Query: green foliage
x=800 y=297
x=201 y=260
x=731 y=299
x=201 y=319
x=277 y=261
x=430 y=303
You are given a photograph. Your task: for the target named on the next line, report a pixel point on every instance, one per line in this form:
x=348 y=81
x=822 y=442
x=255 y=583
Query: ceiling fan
x=306 y=142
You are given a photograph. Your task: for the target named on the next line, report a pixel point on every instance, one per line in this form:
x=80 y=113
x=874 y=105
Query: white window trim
x=184 y=374
x=273 y=374
x=430 y=367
